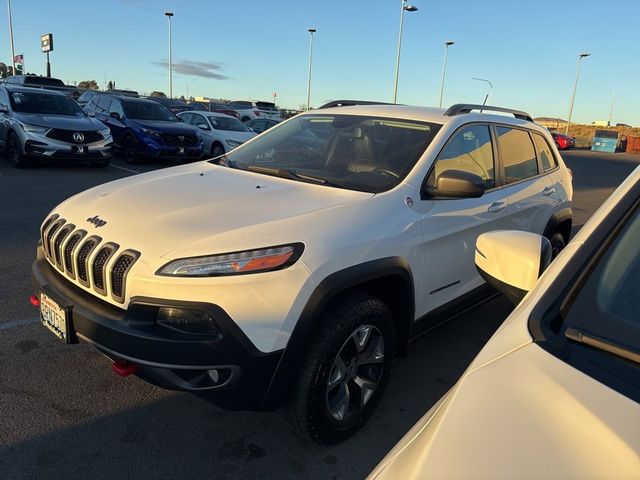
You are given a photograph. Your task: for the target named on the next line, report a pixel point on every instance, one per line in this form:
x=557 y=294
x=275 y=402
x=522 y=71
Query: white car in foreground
x=220 y=133
x=297 y=272
x=556 y=392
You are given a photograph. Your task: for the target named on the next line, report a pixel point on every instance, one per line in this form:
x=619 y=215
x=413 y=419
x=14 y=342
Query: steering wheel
x=387 y=172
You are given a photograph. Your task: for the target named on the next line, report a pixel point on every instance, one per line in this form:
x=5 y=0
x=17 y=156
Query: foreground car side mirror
x=511 y=261
x=457 y=184
x=115 y=115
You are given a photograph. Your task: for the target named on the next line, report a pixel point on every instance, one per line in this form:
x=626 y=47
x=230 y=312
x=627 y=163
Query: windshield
x=147 y=111
x=228 y=123
x=370 y=154
x=43 y=103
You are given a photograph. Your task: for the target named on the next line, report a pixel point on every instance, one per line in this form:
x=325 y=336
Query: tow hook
x=124 y=368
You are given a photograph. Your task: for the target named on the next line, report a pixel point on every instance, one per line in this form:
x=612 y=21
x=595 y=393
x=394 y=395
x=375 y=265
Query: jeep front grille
x=73 y=254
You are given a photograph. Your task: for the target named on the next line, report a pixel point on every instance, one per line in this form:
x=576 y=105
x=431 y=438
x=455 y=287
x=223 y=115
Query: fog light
x=187 y=320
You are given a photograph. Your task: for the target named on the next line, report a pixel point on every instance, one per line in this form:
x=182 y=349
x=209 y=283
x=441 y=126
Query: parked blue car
x=145 y=129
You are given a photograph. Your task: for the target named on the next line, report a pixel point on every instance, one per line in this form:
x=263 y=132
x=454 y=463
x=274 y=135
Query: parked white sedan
x=220 y=133
x=556 y=392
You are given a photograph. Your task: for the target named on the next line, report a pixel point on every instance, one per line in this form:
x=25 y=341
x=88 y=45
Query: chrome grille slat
x=95 y=265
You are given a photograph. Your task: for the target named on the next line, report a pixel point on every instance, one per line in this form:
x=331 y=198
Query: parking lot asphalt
x=64 y=414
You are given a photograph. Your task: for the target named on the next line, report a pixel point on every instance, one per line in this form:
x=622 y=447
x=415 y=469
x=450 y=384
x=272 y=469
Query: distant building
x=550 y=122
x=600 y=123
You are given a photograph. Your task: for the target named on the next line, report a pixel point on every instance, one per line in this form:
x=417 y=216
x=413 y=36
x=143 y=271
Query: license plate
x=181 y=150
x=55 y=317
x=80 y=149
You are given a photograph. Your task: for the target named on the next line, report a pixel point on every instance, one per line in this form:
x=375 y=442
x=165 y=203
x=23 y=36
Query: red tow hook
x=124 y=368
x=34 y=300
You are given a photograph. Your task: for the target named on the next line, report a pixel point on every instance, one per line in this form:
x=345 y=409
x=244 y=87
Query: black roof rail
x=460 y=108
x=350 y=103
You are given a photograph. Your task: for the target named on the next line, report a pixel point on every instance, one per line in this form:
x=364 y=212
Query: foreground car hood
x=66 y=122
x=186 y=209
x=526 y=415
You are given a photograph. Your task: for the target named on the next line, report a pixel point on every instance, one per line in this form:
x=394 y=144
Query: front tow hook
x=124 y=368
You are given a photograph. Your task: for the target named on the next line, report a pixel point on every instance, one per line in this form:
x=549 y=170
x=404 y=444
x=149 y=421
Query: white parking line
x=122 y=168
x=18 y=323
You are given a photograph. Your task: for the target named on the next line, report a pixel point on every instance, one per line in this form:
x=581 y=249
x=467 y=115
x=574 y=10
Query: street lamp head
x=312 y=30
x=585 y=54
x=410 y=8
x=449 y=43
x=169 y=14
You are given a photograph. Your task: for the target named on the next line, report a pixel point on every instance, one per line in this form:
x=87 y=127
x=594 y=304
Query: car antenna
x=485 y=101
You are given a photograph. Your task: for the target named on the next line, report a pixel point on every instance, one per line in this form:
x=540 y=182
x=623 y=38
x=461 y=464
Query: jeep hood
x=200 y=209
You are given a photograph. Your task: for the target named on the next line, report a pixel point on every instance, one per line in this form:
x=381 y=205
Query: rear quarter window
x=517 y=154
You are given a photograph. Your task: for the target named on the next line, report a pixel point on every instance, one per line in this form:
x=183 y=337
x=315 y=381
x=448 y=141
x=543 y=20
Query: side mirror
x=115 y=115
x=457 y=184
x=511 y=261
x=202 y=126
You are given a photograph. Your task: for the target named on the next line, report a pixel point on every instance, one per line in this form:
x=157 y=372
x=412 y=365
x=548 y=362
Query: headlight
x=233 y=143
x=105 y=133
x=155 y=133
x=251 y=261
x=34 y=128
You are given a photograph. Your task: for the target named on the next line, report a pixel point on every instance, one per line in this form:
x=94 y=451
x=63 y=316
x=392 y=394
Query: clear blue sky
x=527 y=48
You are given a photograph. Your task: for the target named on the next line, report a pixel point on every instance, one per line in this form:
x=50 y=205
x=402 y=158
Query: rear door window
x=547 y=160
x=517 y=154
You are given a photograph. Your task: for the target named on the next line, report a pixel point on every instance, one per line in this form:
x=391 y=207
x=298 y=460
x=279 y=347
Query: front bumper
x=150 y=147
x=40 y=146
x=165 y=357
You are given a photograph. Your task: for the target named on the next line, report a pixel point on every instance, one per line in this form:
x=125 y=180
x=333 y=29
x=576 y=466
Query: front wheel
x=216 y=150
x=346 y=369
x=14 y=152
x=130 y=150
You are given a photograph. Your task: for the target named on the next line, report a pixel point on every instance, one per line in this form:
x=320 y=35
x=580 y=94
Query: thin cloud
x=196 y=69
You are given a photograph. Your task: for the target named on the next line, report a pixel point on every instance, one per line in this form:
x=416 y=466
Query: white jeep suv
x=295 y=268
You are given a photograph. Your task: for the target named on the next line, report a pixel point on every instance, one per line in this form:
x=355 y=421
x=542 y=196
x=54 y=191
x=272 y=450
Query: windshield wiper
x=224 y=161
x=287 y=173
x=601 y=344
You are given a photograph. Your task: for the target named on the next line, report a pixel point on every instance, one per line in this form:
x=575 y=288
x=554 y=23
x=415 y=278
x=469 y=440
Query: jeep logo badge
x=78 y=137
x=97 y=221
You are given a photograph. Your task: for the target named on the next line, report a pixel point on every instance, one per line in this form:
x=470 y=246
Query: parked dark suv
x=144 y=128
x=37 y=81
x=174 y=104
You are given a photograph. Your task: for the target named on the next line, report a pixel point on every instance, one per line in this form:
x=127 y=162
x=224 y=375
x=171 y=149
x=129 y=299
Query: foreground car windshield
x=147 y=111
x=30 y=102
x=369 y=154
x=230 y=124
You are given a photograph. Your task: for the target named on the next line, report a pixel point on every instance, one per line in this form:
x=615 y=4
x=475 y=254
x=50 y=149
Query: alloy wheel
x=356 y=372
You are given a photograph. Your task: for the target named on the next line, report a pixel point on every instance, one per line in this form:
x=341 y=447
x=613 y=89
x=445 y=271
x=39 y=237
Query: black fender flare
x=561 y=216
x=287 y=370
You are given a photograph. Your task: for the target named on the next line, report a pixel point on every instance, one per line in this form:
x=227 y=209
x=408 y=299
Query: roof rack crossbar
x=350 y=103
x=460 y=108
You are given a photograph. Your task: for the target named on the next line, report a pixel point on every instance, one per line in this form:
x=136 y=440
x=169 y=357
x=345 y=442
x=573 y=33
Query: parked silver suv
x=37 y=123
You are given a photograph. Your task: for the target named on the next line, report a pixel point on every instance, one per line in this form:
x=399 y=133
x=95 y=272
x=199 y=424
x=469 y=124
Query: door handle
x=496 y=207
x=549 y=191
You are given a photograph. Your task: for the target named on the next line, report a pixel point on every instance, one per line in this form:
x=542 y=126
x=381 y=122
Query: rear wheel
x=557 y=244
x=130 y=149
x=346 y=369
x=14 y=152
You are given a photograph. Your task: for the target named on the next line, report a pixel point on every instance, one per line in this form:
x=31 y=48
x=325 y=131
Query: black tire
x=216 y=150
x=245 y=119
x=130 y=149
x=14 y=152
x=557 y=244
x=101 y=163
x=328 y=403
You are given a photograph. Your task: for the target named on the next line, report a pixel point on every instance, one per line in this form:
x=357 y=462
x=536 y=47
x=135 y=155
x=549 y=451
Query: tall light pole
x=613 y=102
x=575 y=86
x=490 y=87
x=444 y=68
x=409 y=8
x=169 y=15
x=13 y=53
x=311 y=32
